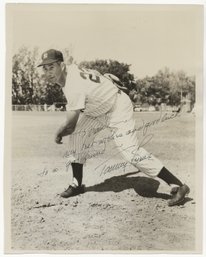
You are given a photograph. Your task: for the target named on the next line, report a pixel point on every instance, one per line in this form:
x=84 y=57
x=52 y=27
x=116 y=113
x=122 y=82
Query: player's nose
x=48 y=74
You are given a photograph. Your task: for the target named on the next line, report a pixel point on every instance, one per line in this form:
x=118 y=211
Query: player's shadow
x=143 y=186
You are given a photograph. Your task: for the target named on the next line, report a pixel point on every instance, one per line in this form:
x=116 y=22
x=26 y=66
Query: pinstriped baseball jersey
x=89 y=90
x=97 y=95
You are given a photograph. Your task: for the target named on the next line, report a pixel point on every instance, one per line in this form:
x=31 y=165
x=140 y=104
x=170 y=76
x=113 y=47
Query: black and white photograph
x=103 y=128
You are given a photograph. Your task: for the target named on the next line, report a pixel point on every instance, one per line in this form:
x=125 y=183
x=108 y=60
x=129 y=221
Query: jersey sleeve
x=76 y=101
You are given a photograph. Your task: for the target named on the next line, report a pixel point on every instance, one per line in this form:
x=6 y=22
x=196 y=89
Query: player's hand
x=58 y=139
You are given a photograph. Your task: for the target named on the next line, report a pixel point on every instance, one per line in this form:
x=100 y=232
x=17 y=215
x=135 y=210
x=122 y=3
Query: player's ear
x=63 y=66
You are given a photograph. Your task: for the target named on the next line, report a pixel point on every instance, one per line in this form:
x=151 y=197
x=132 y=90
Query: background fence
x=39 y=107
x=54 y=108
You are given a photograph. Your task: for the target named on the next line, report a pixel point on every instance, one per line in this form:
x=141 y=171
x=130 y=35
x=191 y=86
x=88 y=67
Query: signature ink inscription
x=135 y=156
x=116 y=166
x=90 y=152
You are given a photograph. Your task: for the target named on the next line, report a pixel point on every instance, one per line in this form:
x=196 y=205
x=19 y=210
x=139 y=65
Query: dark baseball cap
x=51 y=56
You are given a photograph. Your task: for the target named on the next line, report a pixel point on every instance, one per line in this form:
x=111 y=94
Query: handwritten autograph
x=89 y=153
x=135 y=158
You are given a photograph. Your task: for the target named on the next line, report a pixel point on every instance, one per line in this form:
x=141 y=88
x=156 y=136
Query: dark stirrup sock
x=77 y=169
x=168 y=177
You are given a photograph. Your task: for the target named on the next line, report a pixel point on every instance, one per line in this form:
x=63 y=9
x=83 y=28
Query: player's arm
x=117 y=82
x=68 y=126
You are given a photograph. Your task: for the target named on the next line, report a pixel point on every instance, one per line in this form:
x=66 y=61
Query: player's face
x=52 y=72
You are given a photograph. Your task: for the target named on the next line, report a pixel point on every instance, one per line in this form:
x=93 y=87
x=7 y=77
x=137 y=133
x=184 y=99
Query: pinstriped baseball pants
x=120 y=121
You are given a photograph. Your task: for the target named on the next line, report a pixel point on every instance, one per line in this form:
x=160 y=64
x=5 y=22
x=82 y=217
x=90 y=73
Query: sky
x=147 y=37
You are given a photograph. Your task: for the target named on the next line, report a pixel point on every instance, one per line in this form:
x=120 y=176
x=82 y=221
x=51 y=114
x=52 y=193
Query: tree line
x=29 y=85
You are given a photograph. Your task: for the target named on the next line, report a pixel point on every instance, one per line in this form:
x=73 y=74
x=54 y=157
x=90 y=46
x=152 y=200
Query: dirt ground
x=121 y=210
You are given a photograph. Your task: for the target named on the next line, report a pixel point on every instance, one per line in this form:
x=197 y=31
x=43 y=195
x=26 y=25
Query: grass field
x=121 y=210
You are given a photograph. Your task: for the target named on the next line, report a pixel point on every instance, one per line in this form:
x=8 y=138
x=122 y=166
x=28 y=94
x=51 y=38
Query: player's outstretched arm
x=68 y=126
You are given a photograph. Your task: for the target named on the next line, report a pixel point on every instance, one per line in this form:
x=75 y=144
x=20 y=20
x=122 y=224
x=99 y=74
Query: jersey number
x=89 y=75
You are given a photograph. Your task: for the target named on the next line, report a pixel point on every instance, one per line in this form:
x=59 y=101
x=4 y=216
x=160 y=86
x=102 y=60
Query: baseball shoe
x=178 y=195
x=72 y=191
x=174 y=190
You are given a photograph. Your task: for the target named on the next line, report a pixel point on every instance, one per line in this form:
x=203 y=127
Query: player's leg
x=179 y=191
x=77 y=169
x=150 y=165
x=76 y=186
x=131 y=149
x=79 y=147
x=168 y=177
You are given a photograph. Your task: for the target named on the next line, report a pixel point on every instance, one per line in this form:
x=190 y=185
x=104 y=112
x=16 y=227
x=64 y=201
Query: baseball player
x=104 y=105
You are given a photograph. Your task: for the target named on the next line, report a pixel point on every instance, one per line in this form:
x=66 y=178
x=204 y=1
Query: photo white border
x=2 y=104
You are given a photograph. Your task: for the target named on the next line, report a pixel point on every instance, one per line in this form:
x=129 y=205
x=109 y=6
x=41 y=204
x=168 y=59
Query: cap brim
x=47 y=62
